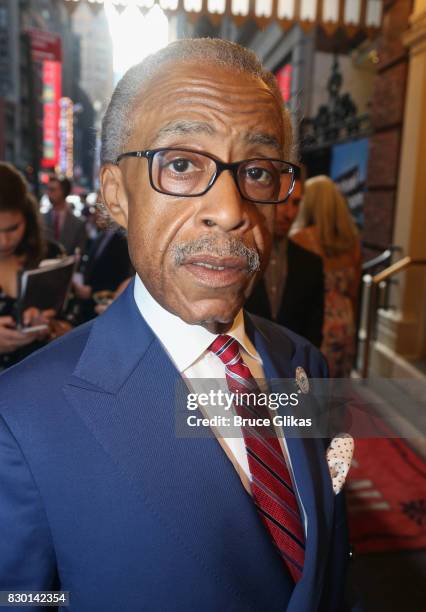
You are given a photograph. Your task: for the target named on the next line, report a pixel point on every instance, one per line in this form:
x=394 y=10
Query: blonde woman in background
x=325 y=226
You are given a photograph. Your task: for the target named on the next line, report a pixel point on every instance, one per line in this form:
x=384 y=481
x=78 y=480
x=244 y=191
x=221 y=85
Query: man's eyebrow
x=260 y=138
x=179 y=128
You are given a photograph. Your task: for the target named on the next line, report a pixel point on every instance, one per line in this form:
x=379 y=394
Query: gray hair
x=117 y=122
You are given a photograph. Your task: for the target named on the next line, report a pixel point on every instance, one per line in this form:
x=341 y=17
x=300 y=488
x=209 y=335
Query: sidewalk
x=390 y=582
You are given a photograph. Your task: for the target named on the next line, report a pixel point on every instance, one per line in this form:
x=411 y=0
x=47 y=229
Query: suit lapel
x=310 y=472
x=67 y=231
x=48 y=224
x=49 y=218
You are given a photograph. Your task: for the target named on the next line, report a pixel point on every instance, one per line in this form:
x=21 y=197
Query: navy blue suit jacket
x=99 y=497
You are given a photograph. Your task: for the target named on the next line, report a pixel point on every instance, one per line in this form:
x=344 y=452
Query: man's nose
x=223 y=206
x=4 y=240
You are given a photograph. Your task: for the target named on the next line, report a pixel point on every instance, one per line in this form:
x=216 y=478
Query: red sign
x=51 y=97
x=284 y=81
x=45 y=46
x=3 y=120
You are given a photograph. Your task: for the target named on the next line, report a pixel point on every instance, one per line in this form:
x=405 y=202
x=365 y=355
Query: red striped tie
x=271 y=484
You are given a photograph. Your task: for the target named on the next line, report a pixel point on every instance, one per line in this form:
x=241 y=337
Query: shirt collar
x=185 y=343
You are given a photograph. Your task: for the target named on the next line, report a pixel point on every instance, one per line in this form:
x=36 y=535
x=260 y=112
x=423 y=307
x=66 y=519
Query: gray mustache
x=215 y=245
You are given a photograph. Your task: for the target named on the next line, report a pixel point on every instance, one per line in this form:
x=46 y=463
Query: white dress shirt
x=187 y=346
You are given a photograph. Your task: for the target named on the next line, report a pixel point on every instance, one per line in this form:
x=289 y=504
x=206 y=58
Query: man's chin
x=216 y=315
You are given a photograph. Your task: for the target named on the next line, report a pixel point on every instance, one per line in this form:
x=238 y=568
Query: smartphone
x=32 y=330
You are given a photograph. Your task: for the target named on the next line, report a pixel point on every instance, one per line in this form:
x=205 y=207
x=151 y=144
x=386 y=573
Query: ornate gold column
x=402 y=332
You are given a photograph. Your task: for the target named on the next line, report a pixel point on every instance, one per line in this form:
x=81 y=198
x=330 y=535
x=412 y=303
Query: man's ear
x=114 y=194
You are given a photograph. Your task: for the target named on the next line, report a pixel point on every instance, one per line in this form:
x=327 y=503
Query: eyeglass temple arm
x=146 y=154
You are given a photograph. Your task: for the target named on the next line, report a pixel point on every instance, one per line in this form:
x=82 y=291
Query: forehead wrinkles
x=249 y=97
x=201 y=88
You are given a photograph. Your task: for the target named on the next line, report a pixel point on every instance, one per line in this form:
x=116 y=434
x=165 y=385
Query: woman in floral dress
x=325 y=226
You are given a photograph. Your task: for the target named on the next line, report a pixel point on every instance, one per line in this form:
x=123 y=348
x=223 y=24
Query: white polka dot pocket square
x=339 y=457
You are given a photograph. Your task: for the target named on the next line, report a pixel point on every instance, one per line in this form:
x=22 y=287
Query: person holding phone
x=12 y=339
x=21 y=247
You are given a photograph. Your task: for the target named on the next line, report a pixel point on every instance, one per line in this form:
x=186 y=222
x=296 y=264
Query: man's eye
x=258 y=174
x=180 y=165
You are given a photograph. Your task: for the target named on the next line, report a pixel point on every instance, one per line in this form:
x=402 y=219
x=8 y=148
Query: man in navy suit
x=60 y=223
x=99 y=495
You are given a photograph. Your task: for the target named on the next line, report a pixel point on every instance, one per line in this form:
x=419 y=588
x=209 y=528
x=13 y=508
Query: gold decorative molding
x=331 y=15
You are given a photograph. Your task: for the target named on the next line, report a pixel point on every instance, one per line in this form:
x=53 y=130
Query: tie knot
x=237 y=372
x=227 y=349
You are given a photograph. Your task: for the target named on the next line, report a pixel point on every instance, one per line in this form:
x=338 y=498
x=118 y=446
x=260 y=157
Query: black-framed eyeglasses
x=187 y=173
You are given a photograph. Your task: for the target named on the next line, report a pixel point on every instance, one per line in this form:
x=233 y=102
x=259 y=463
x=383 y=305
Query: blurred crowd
x=30 y=238
x=311 y=284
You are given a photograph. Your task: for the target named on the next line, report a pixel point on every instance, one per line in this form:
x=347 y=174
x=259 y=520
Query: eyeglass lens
x=189 y=173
